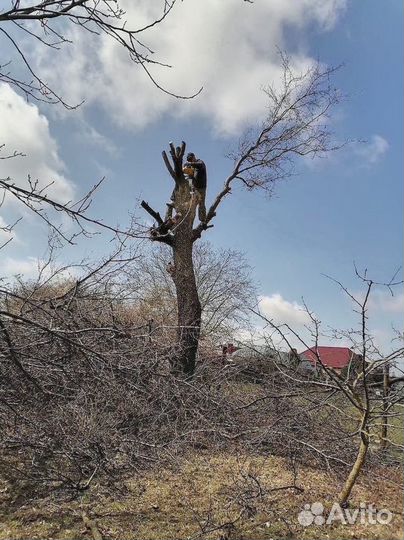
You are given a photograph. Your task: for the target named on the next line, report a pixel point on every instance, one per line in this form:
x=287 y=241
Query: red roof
x=334 y=357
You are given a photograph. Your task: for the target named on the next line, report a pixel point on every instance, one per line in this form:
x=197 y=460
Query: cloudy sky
x=338 y=211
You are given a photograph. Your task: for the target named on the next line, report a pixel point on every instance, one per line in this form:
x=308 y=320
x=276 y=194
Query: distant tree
x=295 y=127
x=224 y=284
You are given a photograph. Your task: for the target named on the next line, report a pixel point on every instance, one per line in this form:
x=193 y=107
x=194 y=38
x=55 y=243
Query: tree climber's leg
x=170 y=206
x=201 y=194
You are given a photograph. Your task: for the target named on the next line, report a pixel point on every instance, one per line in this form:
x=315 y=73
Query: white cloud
x=24 y=129
x=28 y=268
x=393 y=304
x=280 y=311
x=34 y=268
x=91 y=136
x=229 y=48
x=373 y=150
x=384 y=301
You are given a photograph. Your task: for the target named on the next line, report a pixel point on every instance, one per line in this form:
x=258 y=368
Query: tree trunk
x=385 y=403
x=189 y=306
x=177 y=232
x=357 y=466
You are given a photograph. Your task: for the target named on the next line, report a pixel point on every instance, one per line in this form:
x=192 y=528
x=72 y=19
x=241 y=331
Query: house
x=228 y=349
x=339 y=359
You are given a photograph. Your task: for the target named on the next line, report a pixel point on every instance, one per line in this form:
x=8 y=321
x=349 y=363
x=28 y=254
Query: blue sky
x=345 y=209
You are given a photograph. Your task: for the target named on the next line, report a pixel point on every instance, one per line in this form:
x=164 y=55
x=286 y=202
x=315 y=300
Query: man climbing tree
x=295 y=126
x=196 y=170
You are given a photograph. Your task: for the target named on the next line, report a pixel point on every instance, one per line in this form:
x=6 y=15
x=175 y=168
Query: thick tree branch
x=153 y=213
x=159 y=234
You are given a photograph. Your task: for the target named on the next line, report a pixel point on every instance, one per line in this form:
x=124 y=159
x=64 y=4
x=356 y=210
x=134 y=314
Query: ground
x=204 y=496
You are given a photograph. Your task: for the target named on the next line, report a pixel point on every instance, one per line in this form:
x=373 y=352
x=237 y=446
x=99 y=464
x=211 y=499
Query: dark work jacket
x=200 y=177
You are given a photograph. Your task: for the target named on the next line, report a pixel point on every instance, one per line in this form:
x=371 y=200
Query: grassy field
x=216 y=497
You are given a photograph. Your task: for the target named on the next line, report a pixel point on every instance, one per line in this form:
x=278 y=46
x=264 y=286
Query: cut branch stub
x=172 y=149
x=177 y=154
x=182 y=151
x=152 y=212
x=168 y=165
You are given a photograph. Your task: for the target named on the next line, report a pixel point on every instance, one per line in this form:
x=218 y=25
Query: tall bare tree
x=298 y=107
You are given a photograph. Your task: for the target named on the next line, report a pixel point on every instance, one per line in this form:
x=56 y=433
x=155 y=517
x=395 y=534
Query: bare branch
x=99 y=17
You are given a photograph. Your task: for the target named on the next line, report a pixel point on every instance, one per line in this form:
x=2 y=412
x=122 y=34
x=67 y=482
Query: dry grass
x=176 y=503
